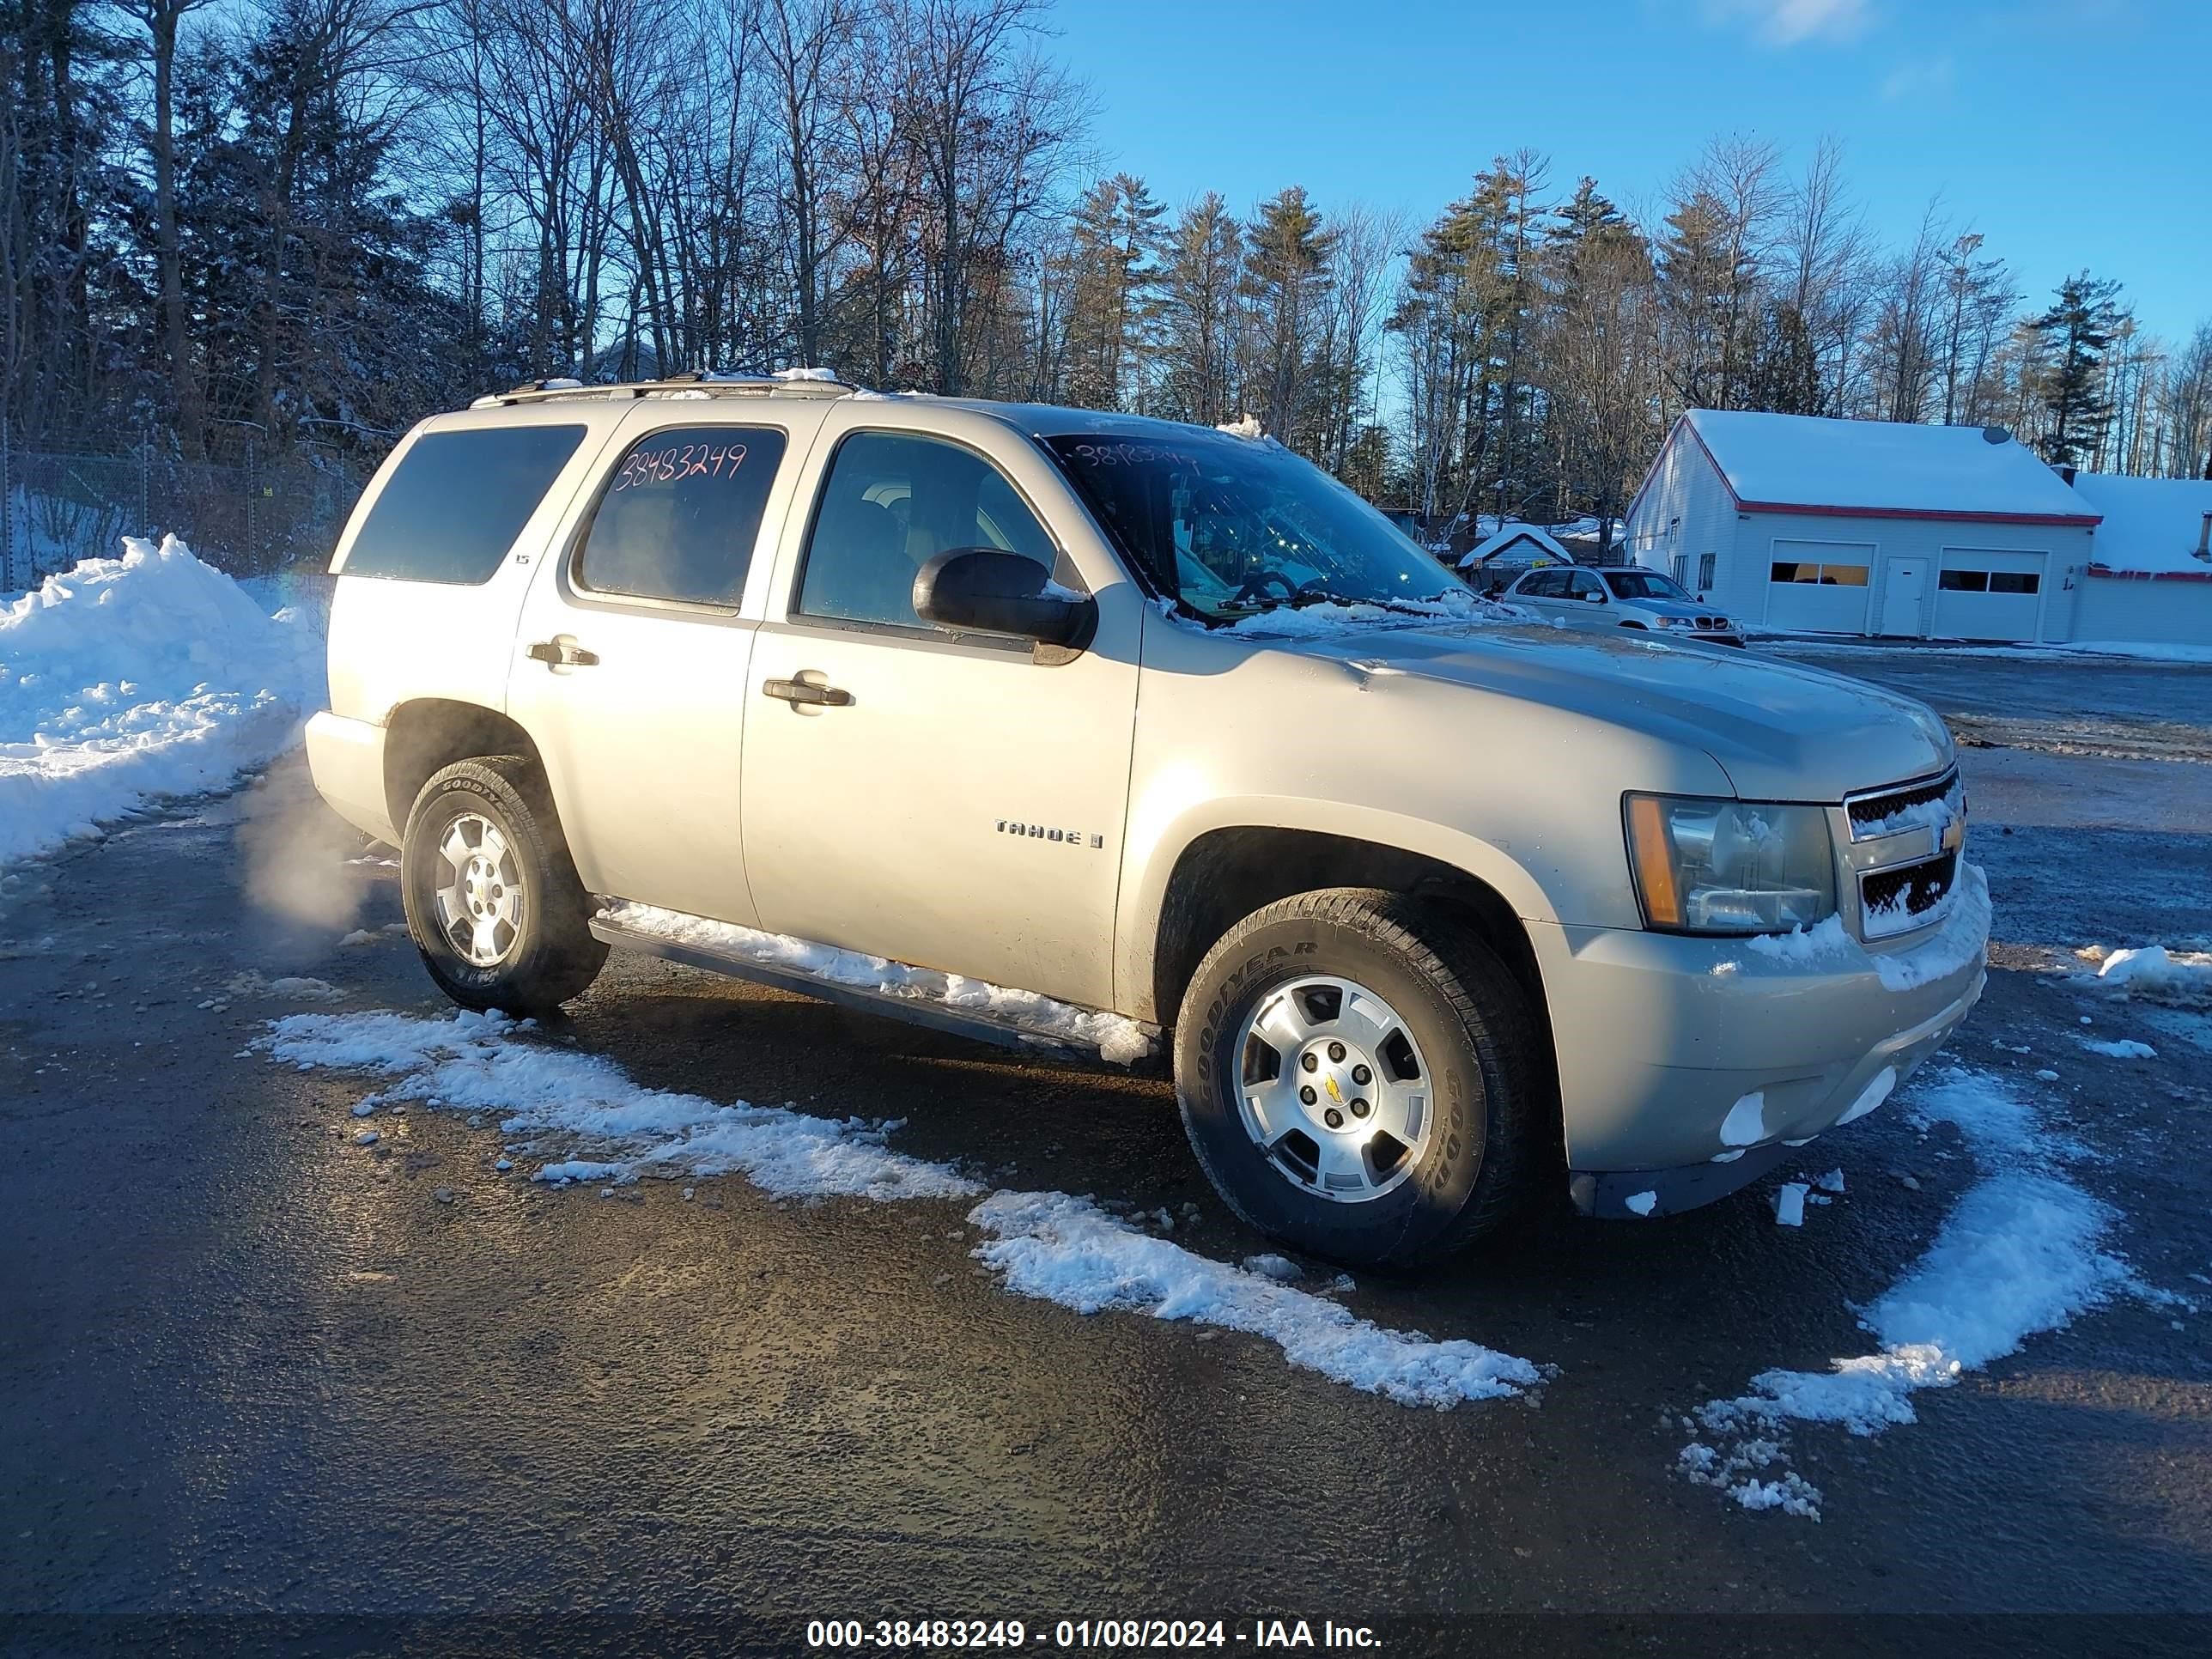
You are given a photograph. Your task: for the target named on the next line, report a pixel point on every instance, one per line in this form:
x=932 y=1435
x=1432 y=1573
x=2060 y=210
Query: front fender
x=1162 y=829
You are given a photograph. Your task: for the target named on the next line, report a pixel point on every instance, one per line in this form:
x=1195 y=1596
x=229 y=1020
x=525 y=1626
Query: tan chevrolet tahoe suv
x=1076 y=730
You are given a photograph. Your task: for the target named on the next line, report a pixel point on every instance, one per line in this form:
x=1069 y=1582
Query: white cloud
x=1787 y=22
x=1923 y=81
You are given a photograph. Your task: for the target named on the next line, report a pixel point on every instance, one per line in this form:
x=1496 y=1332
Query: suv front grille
x=1912 y=835
x=1892 y=900
x=1870 y=814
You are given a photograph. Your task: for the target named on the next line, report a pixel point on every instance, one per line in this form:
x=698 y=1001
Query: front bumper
x=1690 y=1066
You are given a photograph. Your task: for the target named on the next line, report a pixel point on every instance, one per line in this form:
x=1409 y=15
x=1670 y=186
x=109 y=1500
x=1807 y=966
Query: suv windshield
x=1233 y=527
x=1643 y=585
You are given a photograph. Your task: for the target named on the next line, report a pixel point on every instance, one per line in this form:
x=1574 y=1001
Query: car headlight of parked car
x=1730 y=866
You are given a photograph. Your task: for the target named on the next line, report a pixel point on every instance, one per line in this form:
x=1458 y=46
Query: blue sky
x=2070 y=133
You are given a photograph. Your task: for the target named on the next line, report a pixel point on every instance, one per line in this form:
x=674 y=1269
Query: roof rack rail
x=693 y=382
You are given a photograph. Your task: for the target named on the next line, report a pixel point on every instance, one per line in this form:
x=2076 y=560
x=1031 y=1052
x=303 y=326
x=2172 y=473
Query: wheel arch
x=427 y=734
x=1223 y=873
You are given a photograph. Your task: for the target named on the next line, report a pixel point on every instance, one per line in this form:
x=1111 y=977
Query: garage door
x=1819 y=588
x=1990 y=593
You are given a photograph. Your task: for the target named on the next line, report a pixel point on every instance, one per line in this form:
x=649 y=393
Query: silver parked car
x=1620 y=598
x=1070 y=730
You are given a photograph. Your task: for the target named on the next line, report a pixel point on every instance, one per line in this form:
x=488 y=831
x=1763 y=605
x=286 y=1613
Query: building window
x=1989 y=581
x=1678 y=566
x=1824 y=575
x=1707 y=564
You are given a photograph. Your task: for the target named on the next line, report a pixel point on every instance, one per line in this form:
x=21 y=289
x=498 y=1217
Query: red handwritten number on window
x=674 y=463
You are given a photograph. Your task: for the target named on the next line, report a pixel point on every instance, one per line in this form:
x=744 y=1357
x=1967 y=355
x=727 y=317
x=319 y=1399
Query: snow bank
x=2022 y=1254
x=123 y=681
x=1117 y=1039
x=1047 y=1245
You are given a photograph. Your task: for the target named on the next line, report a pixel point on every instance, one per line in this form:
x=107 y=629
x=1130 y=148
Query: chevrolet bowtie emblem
x=1335 y=1093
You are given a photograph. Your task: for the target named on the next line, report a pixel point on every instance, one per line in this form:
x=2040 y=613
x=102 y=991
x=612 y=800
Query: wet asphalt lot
x=255 y=1374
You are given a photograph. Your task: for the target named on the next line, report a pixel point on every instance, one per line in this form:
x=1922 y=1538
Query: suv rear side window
x=681 y=514
x=894 y=501
x=456 y=501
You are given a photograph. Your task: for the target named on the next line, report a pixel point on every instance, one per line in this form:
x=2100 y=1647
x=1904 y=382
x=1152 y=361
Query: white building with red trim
x=1795 y=523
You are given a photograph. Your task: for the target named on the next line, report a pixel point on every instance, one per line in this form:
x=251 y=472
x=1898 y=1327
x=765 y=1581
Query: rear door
x=1541 y=591
x=630 y=666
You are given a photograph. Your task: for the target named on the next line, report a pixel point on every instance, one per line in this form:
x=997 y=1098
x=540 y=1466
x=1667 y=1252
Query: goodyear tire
x=1379 y=1147
x=493 y=901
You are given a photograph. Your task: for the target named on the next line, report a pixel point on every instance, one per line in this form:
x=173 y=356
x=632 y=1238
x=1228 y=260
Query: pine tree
x=1197 y=303
x=2079 y=327
x=1113 y=242
x=1287 y=282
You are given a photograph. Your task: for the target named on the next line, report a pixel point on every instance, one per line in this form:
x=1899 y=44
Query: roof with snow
x=2151 y=525
x=1541 y=544
x=1878 y=469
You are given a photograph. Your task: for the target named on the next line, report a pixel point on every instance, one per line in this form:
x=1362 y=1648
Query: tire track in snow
x=1050 y=1246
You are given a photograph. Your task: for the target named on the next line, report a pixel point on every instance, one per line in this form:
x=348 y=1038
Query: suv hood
x=1781 y=731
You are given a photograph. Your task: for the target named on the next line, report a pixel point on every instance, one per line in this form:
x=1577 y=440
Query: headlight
x=1730 y=866
x=1672 y=622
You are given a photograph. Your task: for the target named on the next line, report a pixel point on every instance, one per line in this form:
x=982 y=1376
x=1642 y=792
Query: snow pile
x=126 y=680
x=1068 y=1250
x=2158 y=974
x=1957 y=943
x=1804 y=945
x=1117 y=1039
x=2022 y=1254
x=2122 y=1048
x=1047 y=1245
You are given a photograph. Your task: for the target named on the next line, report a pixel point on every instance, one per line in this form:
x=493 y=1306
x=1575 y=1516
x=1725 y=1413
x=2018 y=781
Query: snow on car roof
x=2150 y=524
x=1891 y=468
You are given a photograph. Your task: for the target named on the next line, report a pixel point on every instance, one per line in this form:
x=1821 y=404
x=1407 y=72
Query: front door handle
x=807 y=691
x=562 y=652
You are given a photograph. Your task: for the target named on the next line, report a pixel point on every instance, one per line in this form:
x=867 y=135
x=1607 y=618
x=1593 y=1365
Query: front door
x=631 y=664
x=952 y=801
x=1903 y=587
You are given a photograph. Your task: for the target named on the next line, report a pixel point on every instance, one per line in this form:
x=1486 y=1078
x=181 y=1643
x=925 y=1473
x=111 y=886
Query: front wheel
x=493 y=901
x=1360 y=1077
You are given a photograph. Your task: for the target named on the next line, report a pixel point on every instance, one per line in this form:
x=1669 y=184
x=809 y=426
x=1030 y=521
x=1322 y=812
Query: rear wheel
x=1359 y=1076
x=493 y=901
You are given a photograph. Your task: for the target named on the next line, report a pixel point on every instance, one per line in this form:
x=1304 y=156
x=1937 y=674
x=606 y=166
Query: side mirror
x=982 y=590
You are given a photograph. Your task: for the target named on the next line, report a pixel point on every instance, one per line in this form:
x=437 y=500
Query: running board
x=916 y=1010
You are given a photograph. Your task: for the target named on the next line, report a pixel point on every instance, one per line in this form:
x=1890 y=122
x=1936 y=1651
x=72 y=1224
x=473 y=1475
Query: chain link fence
x=258 y=514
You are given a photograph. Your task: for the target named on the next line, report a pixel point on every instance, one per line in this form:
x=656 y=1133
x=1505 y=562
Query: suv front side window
x=893 y=502
x=681 y=514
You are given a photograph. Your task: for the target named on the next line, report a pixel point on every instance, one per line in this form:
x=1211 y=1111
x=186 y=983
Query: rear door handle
x=562 y=653
x=805 y=691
